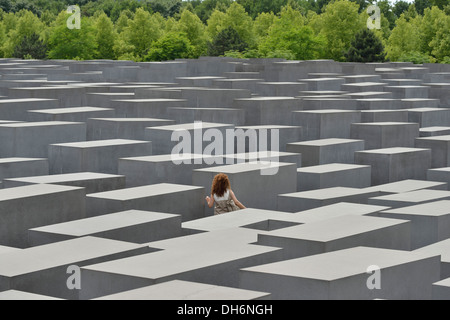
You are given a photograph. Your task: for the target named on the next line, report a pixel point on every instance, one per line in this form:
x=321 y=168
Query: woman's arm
x=236 y=201
x=210 y=201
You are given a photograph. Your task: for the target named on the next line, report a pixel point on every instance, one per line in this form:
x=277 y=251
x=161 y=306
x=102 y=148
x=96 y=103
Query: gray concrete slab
x=165 y=138
x=22 y=167
x=395 y=164
x=94 y=156
x=16 y=137
x=75 y=114
x=377 y=103
x=92 y=182
x=122 y=128
x=164 y=197
x=378 y=135
x=430 y=222
x=440 y=151
x=384 y=116
x=321 y=124
x=215 y=115
x=440 y=248
x=323 y=151
x=333 y=175
x=32 y=206
x=130 y=226
x=187 y=290
x=268 y=140
x=140 y=171
x=145 y=108
x=200 y=263
x=441 y=290
x=429 y=117
x=339 y=233
x=305 y=200
x=407 y=186
x=268 y=110
x=17 y=109
x=12 y=295
x=439 y=174
x=43 y=269
x=410 y=198
x=343 y=275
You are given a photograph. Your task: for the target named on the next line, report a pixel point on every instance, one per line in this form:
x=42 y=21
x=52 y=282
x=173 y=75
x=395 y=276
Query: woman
x=223 y=196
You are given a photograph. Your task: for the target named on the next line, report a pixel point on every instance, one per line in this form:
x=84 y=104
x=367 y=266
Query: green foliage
x=416 y=58
x=289 y=35
x=404 y=38
x=173 y=45
x=105 y=37
x=339 y=24
x=366 y=47
x=226 y=40
x=65 y=43
x=31 y=47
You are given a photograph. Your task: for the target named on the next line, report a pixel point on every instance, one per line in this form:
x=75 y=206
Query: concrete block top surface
x=83 y=227
x=266 y=98
x=199 y=251
x=70 y=110
x=144 y=191
x=172 y=158
x=24 y=296
x=245 y=167
x=438 y=248
x=239 y=218
x=33 y=191
x=4 y=249
x=129 y=119
x=325 y=142
x=386 y=124
x=337 y=210
x=446 y=169
x=57 y=178
x=434 y=209
x=12 y=160
x=332 y=167
x=192 y=126
x=335 y=228
x=40 y=124
x=428 y=109
x=339 y=264
x=394 y=150
x=149 y=100
x=100 y=143
x=327 y=193
x=416 y=196
x=60 y=254
x=436 y=138
x=24 y=100
x=185 y=290
x=328 y=111
x=404 y=186
x=269 y=127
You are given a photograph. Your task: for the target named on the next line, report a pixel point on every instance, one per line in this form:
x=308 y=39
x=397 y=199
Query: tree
x=205 y=8
x=441 y=41
x=65 y=43
x=27 y=24
x=290 y=36
x=226 y=40
x=400 y=7
x=142 y=31
x=366 y=47
x=31 y=46
x=254 y=8
x=167 y=8
x=339 y=24
x=195 y=30
x=105 y=37
x=171 y=46
x=262 y=24
x=404 y=38
x=421 y=5
x=433 y=20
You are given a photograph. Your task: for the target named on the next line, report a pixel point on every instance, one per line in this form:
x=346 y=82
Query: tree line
x=158 y=30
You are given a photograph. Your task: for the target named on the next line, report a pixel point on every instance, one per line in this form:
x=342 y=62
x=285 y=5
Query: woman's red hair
x=220 y=184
